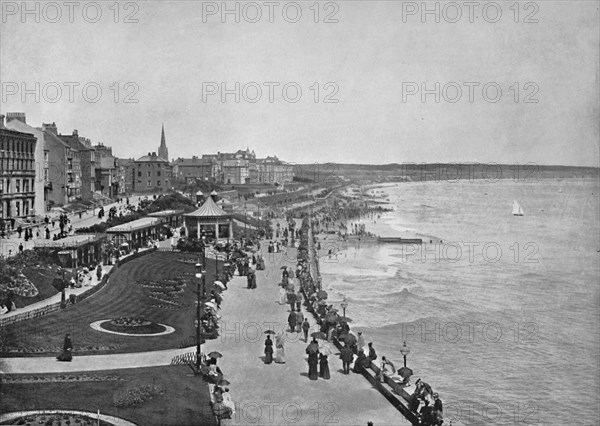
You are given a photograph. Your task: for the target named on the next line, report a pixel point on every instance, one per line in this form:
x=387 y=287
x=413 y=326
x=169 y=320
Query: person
x=346 y=356
x=292 y=321
x=360 y=362
x=360 y=341
x=214 y=372
x=324 y=367
x=387 y=367
x=20 y=247
x=282 y=295
x=299 y=320
x=279 y=344
x=372 y=353
x=67 y=354
x=313 y=361
x=305 y=329
x=268 y=350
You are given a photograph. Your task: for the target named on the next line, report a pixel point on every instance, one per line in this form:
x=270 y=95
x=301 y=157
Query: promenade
x=282 y=393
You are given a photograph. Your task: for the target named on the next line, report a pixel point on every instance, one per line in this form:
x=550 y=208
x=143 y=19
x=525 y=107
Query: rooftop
x=208 y=209
x=135 y=225
x=70 y=241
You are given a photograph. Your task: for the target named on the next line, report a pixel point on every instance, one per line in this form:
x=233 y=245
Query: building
x=149 y=173
x=64 y=168
x=17 y=121
x=87 y=162
x=235 y=172
x=271 y=170
x=107 y=179
x=189 y=169
x=17 y=173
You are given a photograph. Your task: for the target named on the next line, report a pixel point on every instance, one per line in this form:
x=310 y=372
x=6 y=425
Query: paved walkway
x=282 y=393
x=43 y=365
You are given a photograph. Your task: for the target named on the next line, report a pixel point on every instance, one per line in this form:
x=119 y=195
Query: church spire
x=163 y=152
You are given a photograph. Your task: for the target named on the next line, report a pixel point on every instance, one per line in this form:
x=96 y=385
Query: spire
x=163 y=152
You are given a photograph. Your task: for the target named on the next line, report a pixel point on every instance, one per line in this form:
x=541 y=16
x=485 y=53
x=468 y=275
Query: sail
x=517 y=209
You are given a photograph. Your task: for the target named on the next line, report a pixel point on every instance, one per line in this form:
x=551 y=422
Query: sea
x=500 y=312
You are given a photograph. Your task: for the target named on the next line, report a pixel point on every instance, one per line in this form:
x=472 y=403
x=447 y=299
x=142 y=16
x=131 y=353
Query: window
x=18 y=186
x=157 y=183
x=149 y=183
x=149 y=173
x=139 y=174
x=158 y=173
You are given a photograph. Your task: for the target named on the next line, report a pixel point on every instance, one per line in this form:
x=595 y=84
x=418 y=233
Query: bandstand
x=210 y=221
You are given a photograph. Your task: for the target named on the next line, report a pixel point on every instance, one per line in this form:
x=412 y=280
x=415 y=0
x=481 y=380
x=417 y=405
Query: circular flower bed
x=132 y=325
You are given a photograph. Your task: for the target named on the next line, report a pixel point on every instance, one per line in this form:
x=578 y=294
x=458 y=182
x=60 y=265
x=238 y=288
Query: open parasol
x=220 y=285
x=215 y=354
x=322 y=294
x=405 y=372
x=223 y=382
x=318 y=335
x=270 y=332
x=211 y=305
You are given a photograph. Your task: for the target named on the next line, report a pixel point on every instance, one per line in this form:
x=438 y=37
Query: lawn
x=124 y=295
x=185 y=400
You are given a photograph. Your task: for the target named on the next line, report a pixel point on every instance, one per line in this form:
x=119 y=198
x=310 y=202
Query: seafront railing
x=400 y=402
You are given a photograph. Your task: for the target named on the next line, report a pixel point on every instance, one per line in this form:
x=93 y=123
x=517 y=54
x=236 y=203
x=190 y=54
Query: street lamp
x=404 y=351
x=200 y=274
x=344 y=305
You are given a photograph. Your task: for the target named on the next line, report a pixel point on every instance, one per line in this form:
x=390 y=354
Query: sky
x=370 y=82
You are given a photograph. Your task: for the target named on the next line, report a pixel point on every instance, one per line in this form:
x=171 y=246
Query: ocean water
x=501 y=316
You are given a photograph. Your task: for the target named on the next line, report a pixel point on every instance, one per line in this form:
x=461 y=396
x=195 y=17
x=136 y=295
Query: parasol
x=325 y=350
x=211 y=305
x=405 y=372
x=270 y=332
x=223 y=382
x=220 y=285
x=322 y=294
x=215 y=354
x=318 y=335
x=344 y=319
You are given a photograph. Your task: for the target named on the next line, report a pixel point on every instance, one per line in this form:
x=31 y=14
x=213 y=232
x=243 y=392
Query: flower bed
x=57 y=419
x=132 y=325
x=136 y=396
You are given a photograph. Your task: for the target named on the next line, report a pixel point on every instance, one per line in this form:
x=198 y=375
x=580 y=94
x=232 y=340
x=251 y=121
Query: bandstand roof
x=208 y=210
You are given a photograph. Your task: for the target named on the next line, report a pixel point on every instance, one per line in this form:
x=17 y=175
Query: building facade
x=17 y=173
x=150 y=173
x=18 y=121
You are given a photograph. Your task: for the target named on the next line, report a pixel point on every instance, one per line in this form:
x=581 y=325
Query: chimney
x=1 y=121
x=47 y=127
x=75 y=132
x=16 y=116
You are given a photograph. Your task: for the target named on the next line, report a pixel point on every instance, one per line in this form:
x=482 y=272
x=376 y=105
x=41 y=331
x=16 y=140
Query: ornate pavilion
x=210 y=221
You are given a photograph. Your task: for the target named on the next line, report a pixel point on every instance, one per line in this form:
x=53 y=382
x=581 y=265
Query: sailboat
x=517 y=209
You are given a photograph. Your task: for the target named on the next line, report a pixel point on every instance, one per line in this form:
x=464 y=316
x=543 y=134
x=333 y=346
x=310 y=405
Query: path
x=90 y=362
x=282 y=393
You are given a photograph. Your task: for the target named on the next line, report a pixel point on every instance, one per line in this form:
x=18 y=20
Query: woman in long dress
x=324 y=367
x=268 y=350
x=67 y=354
x=313 y=362
x=282 y=296
x=280 y=357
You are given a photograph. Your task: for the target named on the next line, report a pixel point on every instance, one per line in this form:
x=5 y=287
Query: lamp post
x=344 y=305
x=404 y=351
x=200 y=274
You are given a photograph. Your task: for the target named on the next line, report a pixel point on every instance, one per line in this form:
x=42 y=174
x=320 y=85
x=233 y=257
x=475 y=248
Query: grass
x=185 y=401
x=122 y=296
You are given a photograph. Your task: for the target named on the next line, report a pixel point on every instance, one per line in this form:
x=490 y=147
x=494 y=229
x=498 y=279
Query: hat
x=360 y=332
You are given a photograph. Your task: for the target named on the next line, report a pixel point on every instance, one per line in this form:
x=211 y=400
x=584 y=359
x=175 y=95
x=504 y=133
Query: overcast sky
x=374 y=62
